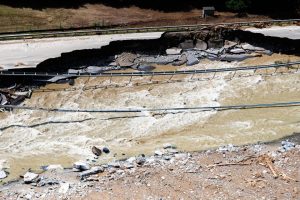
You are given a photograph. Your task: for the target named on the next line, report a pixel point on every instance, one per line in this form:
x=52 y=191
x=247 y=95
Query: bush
x=238 y=5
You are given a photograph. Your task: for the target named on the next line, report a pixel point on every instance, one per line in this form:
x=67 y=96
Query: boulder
x=173 y=51
x=158 y=153
x=215 y=43
x=3 y=174
x=3 y=99
x=181 y=60
x=252 y=48
x=191 y=60
x=145 y=68
x=126 y=59
x=237 y=51
x=187 y=44
x=229 y=44
x=201 y=45
x=96 y=151
x=30 y=177
x=81 y=166
x=238 y=57
x=92 y=171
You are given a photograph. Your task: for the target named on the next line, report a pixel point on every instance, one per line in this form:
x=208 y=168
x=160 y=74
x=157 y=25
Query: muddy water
x=30 y=139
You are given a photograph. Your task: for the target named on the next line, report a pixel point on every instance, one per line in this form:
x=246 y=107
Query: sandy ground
x=261 y=171
x=291 y=32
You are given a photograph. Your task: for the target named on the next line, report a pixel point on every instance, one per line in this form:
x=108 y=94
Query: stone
x=140 y=160
x=64 y=188
x=128 y=165
x=145 y=68
x=92 y=171
x=201 y=45
x=96 y=151
x=191 y=60
x=131 y=159
x=169 y=146
x=181 y=60
x=46 y=181
x=158 y=153
x=252 y=48
x=81 y=166
x=163 y=60
x=172 y=151
x=106 y=150
x=126 y=59
x=286 y=146
x=188 y=44
x=216 y=43
x=229 y=44
x=3 y=174
x=238 y=57
x=30 y=177
x=173 y=51
x=114 y=164
x=237 y=51
x=167 y=157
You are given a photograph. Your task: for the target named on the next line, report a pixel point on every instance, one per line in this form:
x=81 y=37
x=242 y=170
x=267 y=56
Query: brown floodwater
x=30 y=139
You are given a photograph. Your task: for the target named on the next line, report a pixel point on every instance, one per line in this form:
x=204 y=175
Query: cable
x=170 y=109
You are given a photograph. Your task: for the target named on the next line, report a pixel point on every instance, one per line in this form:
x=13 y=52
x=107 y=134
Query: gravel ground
x=259 y=171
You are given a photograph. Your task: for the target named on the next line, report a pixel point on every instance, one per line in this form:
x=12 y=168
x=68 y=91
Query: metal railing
x=97 y=31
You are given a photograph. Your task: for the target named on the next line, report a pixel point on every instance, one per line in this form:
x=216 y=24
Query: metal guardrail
x=158 y=110
x=96 y=31
x=162 y=73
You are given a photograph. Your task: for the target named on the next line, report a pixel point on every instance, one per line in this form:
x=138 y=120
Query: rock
x=106 y=150
x=46 y=181
x=201 y=45
x=252 y=48
x=3 y=174
x=126 y=59
x=131 y=160
x=240 y=57
x=167 y=157
x=140 y=160
x=128 y=165
x=229 y=44
x=181 y=60
x=96 y=151
x=54 y=167
x=64 y=188
x=30 y=177
x=145 y=68
x=114 y=164
x=158 y=153
x=228 y=148
x=173 y=51
x=3 y=99
x=159 y=59
x=92 y=171
x=81 y=166
x=237 y=51
x=191 y=60
x=172 y=151
x=169 y=146
x=216 y=44
x=286 y=146
x=188 y=44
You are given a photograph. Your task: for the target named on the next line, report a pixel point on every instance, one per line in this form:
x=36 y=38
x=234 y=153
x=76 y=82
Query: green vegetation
x=239 y=6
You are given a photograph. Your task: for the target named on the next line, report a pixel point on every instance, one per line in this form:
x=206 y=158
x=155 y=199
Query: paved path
x=29 y=53
x=291 y=32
